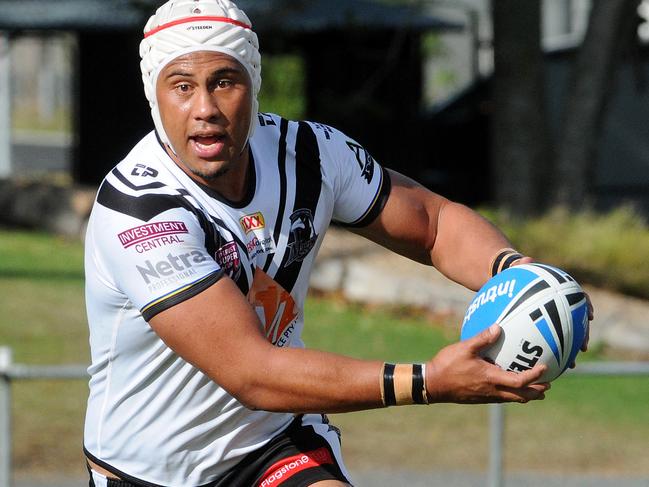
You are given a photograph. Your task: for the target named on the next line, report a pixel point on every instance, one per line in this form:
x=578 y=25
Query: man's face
x=204 y=100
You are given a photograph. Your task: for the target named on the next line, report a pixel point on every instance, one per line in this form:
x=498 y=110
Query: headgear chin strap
x=181 y=27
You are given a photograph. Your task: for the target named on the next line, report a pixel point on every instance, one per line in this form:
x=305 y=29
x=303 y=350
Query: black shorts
x=307 y=451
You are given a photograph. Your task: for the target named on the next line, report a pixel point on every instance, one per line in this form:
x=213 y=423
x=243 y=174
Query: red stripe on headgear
x=197 y=19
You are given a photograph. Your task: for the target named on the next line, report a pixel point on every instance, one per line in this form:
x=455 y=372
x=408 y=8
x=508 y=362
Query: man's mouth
x=208 y=145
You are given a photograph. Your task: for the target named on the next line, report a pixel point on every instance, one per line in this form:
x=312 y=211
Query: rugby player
x=198 y=255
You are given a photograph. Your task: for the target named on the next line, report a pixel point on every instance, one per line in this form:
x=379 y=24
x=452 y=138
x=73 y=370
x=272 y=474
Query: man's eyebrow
x=184 y=74
x=219 y=72
x=226 y=70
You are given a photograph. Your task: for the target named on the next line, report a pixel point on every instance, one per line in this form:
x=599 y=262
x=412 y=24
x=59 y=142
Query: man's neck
x=232 y=185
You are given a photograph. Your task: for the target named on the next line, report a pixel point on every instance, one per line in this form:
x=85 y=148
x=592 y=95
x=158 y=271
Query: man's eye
x=223 y=83
x=183 y=88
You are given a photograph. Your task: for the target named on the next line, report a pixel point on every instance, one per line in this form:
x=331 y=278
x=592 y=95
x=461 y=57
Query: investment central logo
x=252 y=222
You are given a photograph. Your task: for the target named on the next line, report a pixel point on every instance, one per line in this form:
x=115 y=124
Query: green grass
x=609 y=250
x=593 y=424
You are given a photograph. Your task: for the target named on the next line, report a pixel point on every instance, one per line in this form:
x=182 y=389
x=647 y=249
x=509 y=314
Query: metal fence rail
x=10 y=372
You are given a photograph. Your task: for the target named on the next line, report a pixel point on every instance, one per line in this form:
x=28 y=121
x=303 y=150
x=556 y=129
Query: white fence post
x=5 y=417
x=496 y=444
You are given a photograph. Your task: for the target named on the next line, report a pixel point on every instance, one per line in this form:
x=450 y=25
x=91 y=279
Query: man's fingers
x=522 y=395
x=591 y=311
x=484 y=338
x=584 y=344
x=522 y=379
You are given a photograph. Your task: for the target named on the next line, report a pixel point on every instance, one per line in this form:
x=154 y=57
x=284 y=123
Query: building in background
x=374 y=46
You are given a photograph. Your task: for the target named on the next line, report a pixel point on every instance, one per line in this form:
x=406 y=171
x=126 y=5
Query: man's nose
x=207 y=107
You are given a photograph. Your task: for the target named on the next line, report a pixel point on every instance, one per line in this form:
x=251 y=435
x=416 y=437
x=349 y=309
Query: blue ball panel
x=492 y=299
x=580 y=322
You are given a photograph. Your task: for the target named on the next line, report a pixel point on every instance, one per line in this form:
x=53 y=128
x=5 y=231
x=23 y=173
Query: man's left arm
x=428 y=228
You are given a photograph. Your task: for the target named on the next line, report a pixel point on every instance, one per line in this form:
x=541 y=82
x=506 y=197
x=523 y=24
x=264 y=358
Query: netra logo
x=252 y=222
x=172 y=269
x=152 y=235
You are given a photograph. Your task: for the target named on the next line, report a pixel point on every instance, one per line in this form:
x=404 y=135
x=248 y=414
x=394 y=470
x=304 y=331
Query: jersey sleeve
x=361 y=186
x=157 y=263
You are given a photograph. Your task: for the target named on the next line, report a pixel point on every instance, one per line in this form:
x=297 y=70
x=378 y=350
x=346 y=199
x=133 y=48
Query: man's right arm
x=218 y=332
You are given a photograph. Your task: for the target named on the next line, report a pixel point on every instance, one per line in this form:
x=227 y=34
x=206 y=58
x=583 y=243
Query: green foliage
x=282 y=86
x=609 y=250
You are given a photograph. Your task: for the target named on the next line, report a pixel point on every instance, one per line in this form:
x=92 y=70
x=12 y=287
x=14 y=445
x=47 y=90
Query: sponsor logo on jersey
x=302 y=236
x=152 y=232
x=287 y=467
x=144 y=171
x=228 y=258
x=266 y=119
x=252 y=222
x=258 y=246
x=170 y=270
x=325 y=128
x=364 y=159
x=275 y=307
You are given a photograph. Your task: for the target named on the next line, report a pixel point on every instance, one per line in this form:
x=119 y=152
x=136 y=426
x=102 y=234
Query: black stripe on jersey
x=381 y=198
x=281 y=167
x=178 y=297
x=308 y=185
x=126 y=182
x=147 y=206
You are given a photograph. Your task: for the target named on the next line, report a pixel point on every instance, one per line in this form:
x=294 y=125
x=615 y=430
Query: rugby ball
x=543 y=313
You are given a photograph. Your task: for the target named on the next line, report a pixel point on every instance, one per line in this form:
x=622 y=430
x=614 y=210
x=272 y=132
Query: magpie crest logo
x=302 y=236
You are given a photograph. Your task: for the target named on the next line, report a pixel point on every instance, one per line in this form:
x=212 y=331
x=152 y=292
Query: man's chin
x=212 y=175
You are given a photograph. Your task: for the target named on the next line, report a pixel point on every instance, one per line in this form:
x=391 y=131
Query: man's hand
x=458 y=374
x=591 y=313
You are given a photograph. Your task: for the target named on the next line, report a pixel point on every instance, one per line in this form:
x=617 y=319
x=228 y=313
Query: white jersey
x=156 y=238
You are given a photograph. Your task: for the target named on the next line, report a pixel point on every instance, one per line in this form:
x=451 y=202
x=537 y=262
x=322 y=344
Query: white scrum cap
x=180 y=27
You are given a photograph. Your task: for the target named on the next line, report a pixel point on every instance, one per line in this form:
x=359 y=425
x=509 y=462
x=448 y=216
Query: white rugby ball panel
x=543 y=314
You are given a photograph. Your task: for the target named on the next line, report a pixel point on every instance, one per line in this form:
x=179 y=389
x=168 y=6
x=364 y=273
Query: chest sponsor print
x=170 y=270
x=152 y=236
x=252 y=222
x=229 y=259
x=258 y=246
x=275 y=308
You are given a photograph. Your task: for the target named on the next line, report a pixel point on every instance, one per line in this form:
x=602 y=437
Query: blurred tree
x=612 y=30
x=519 y=139
x=525 y=162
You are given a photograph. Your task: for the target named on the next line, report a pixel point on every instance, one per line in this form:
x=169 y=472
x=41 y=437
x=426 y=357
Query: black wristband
x=388 y=385
x=503 y=260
